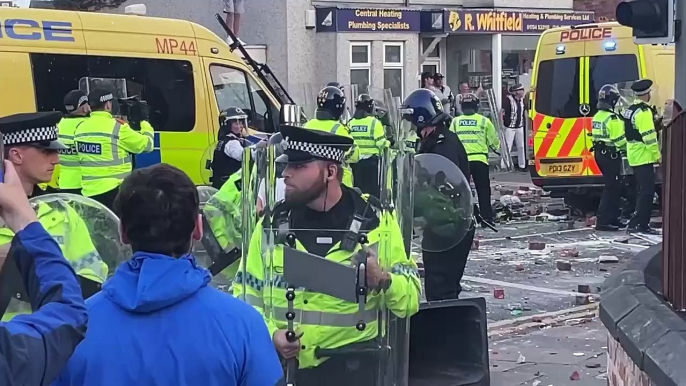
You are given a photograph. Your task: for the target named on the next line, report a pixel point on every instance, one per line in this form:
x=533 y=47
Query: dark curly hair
x=158 y=207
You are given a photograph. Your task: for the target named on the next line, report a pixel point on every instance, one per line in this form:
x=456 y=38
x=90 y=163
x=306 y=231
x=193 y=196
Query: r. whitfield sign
x=494 y=21
x=368 y=20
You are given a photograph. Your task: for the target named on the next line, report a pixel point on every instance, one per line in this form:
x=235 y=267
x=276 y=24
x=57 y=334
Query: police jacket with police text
x=642 y=142
x=608 y=130
x=70 y=167
x=368 y=133
x=34 y=348
x=328 y=322
x=477 y=134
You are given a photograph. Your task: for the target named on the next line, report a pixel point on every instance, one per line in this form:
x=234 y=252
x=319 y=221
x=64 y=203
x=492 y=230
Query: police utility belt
x=606 y=149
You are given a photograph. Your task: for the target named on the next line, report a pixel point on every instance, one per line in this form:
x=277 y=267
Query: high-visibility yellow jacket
x=477 y=134
x=71 y=234
x=369 y=136
x=104 y=145
x=608 y=128
x=223 y=213
x=329 y=322
x=337 y=128
x=642 y=147
x=70 y=168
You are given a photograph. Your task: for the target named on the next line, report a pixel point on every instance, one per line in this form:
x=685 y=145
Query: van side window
x=166 y=85
x=557 y=88
x=233 y=88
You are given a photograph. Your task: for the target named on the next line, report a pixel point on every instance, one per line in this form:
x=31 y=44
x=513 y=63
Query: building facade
x=387 y=45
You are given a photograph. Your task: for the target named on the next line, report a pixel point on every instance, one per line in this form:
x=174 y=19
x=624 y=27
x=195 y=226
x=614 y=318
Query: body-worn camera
x=133 y=110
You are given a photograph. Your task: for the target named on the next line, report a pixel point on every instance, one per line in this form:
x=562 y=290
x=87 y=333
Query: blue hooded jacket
x=156 y=322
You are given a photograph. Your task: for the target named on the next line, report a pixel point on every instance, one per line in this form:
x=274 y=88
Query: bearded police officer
x=105 y=145
x=318 y=217
x=370 y=138
x=443 y=268
x=78 y=109
x=228 y=155
x=643 y=153
x=609 y=142
x=478 y=135
x=330 y=107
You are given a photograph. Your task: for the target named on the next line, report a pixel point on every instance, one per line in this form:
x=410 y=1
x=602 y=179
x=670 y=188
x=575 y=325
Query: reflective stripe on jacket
x=104 y=145
x=477 y=134
x=70 y=168
x=642 y=145
x=609 y=129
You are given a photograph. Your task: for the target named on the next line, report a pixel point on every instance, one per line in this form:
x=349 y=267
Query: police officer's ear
x=197 y=232
x=14 y=155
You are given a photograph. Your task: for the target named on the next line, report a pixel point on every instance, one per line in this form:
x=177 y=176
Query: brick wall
x=602 y=8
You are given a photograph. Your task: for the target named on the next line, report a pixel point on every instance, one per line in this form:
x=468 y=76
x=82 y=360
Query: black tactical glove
x=144 y=111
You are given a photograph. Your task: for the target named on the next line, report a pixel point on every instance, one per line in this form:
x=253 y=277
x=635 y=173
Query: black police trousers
x=366 y=175
x=340 y=372
x=610 y=164
x=107 y=198
x=645 y=178
x=443 y=270
x=482 y=183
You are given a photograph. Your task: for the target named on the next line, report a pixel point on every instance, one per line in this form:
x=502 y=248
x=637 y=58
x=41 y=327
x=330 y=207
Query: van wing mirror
x=291 y=115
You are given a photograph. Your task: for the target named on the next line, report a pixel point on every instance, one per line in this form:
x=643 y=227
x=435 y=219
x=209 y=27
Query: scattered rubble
x=499 y=293
x=608 y=259
x=575 y=376
x=563 y=265
x=536 y=245
x=475 y=245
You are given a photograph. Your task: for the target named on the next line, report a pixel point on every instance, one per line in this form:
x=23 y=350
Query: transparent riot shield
x=305 y=95
x=491 y=109
x=88 y=234
x=333 y=308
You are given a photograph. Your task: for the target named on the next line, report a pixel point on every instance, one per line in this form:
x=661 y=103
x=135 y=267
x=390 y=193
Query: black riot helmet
x=332 y=100
x=230 y=115
x=469 y=103
x=338 y=85
x=608 y=96
x=422 y=108
x=366 y=103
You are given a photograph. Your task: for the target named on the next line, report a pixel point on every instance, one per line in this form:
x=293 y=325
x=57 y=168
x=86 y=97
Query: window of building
x=432 y=62
x=393 y=68
x=166 y=85
x=435 y=53
x=233 y=88
x=360 y=65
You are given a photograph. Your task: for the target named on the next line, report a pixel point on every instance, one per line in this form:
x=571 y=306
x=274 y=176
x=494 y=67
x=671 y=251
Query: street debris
x=536 y=383
x=608 y=259
x=591 y=221
x=521 y=359
x=475 y=245
x=536 y=246
x=578 y=354
x=575 y=376
x=593 y=365
x=569 y=253
x=499 y=293
x=563 y=265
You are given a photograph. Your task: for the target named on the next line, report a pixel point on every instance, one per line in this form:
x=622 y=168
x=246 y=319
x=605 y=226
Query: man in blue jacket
x=34 y=348
x=156 y=321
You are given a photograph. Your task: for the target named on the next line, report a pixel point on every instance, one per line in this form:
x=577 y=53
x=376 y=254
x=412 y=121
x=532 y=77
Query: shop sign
x=494 y=21
x=368 y=20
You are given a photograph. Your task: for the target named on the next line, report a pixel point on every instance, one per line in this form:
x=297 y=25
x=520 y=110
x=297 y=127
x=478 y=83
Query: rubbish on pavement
x=499 y=293
x=475 y=245
x=608 y=259
x=563 y=265
x=536 y=245
x=593 y=365
x=510 y=200
x=569 y=252
x=590 y=221
x=521 y=359
x=575 y=376
x=579 y=354
x=584 y=288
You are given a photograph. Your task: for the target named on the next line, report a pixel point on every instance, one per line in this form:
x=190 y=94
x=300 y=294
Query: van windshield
x=610 y=69
x=557 y=88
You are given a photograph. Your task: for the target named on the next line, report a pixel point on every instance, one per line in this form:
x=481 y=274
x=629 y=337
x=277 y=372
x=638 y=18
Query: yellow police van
x=184 y=72
x=571 y=65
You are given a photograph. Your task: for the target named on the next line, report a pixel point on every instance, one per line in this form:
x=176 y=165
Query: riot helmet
x=338 y=85
x=469 y=103
x=421 y=109
x=232 y=120
x=608 y=96
x=365 y=103
x=332 y=100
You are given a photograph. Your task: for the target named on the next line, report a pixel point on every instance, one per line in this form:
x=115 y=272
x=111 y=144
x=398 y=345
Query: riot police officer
x=368 y=132
x=330 y=107
x=345 y=117
x=228 y=155
x=478 y=135
x=443 y=269
x=609 y=142
x=643 y=153
x=78 y=109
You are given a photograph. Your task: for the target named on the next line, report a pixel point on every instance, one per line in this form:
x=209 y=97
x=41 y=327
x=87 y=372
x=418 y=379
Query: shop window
x=393 y=68
x=557 y=88
x=435 y=53
x=166 y=85
x=360 y=65
x=233 y=88
x=609 y=69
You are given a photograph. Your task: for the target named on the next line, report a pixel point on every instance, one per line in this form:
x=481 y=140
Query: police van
x=571 y=66
x=184 y=72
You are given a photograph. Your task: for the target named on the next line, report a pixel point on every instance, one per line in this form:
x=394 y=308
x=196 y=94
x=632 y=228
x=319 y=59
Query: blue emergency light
x=560 y=50
x=610 y=45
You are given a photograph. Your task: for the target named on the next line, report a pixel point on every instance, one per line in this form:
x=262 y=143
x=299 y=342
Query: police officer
x=228 y=155
x=31 y=145
x=345 y=117
x=330 y=107
x=443 y=270
x=105 y=145
x=318 y=211
x=609 y=142
x=643 y=153
x=368 y=133
x=478 y=135
x=78 y=109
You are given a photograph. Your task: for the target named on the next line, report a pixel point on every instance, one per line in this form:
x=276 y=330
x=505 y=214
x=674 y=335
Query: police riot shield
x=88 y=234
x=491 y=109
x=305 y=95
x=333 y=309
